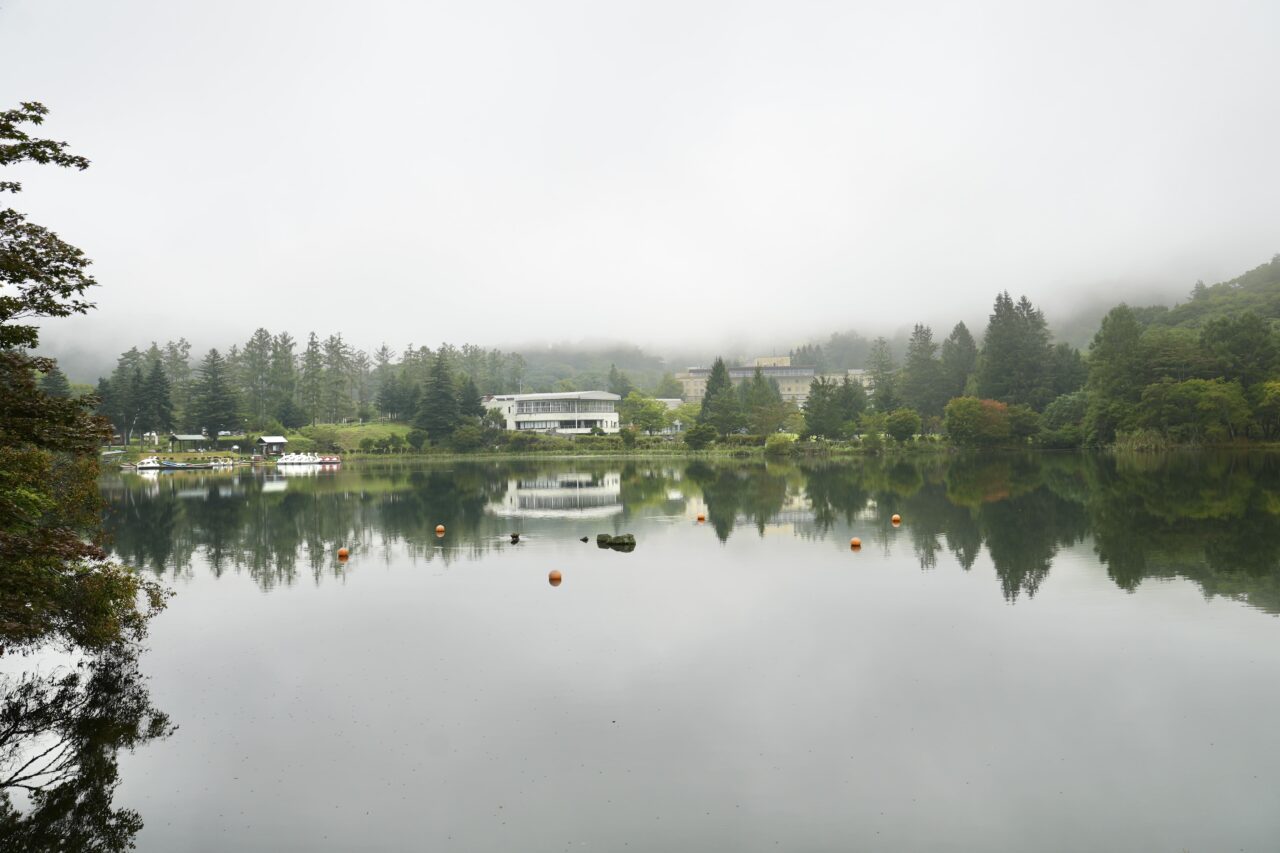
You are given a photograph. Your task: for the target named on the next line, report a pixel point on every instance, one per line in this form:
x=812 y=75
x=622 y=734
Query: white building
x=567 y=412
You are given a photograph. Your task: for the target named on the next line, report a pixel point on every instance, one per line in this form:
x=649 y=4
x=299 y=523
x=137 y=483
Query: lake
x=1051 y=652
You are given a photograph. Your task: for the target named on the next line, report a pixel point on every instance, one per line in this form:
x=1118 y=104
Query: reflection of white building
x=571 y=412
x=561 y=496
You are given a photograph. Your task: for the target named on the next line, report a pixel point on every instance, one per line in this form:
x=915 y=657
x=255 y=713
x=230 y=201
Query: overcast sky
x=652 y=172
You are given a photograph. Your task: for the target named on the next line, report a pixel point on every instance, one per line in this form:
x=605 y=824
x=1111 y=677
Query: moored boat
x=308 y=459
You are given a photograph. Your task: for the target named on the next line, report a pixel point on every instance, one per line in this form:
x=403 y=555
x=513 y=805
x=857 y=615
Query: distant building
x=793 y=381
x=270 y=445
x=188 y=441
x=565 y=412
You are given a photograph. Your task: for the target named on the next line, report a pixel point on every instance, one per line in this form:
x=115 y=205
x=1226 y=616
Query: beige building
x=793 y=382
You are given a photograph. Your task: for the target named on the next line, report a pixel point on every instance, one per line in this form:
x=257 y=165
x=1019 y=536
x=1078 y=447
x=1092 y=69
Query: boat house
x=270 y=445
x=187 y=442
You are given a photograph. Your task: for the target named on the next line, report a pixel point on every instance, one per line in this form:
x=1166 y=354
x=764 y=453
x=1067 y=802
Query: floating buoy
x=702 y=516
x=439 y=529
x=897 y=519
x=855 y=543
x=343 y=553
x=554 y=578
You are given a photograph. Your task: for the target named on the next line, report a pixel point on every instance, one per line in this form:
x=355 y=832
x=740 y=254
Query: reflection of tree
x=753 y=490
x=59 y=737
x=1208 y=517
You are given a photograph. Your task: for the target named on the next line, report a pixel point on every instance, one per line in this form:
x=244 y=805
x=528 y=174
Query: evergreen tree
x=1016 y=355
x=157 y=405
x=311 y=380
x=284 y=382
x=959 y=359
x=55 y=384
x=176 y=358
x=469 y=403
x=822 y=411
x=884 y=379
x=336 y=403
x=923 y=382
x=764 y=408
x=438 y=410
x=720 y=406
x=1115 y=376
x=254 y=377
x=619 y=383
x=214 y=402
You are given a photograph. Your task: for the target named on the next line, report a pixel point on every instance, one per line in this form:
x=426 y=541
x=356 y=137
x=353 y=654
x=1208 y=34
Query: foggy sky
x=658 y=173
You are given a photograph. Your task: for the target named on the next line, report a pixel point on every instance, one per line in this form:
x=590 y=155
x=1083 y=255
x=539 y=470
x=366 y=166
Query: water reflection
x=60 y=736
x=1210 y=518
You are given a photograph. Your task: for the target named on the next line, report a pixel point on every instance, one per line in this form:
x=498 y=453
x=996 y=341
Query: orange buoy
x=855 y=543
x=439 y=529
x=343 y=553
x=554 y=578
x=702 y=516
x=897 y=519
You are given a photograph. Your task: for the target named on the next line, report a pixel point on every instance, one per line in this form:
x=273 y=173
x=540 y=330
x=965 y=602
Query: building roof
x=176 y=437
x=559 y=395
x=272 y=439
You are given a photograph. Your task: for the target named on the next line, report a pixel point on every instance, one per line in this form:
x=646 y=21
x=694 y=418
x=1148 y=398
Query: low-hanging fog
x=674 y=175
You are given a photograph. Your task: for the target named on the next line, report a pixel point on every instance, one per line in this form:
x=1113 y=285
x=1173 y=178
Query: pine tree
x=1116 y=376
x=55 y=384
x=619 y=383
x=959 y=358
x=284 y=382
x=214 y=399
x=254 y=377
x=1016 y=355
x=157 y=405
x=923 y=387
x=438 y=411
x=720 y=405
x=311 y=380
x=884 y=376
x=469 y=403
x=176 y=358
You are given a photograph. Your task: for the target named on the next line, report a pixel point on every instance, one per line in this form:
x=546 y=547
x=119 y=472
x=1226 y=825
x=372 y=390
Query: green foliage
x=214 y=404
x=438 y=411
x=959 y=360
x=780 y=444
x=417 y=439
x=884 y=376
x=1017 y=361
x=644 y=413
x=1062 y=425
x=720 y=406
x=668 y=388
x=832 y=409
x=628 y=437
x=924 y=384
x=902 y=424
x=699 y=436
x=1195 y=410
x=1115 y=376
x=972 y=422
x=619 y=383
x=55 y=384
x=467 y=437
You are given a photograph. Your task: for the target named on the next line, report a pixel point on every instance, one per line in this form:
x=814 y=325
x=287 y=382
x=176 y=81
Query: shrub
x=698 y=437
x=902 y=424
x=417 y=439
x=780 y=444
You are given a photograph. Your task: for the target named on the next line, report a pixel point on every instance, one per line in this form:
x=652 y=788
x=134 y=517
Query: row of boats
x=155 y=463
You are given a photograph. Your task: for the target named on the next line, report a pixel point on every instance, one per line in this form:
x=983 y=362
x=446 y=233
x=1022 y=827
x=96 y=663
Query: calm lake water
x=1050 y=653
